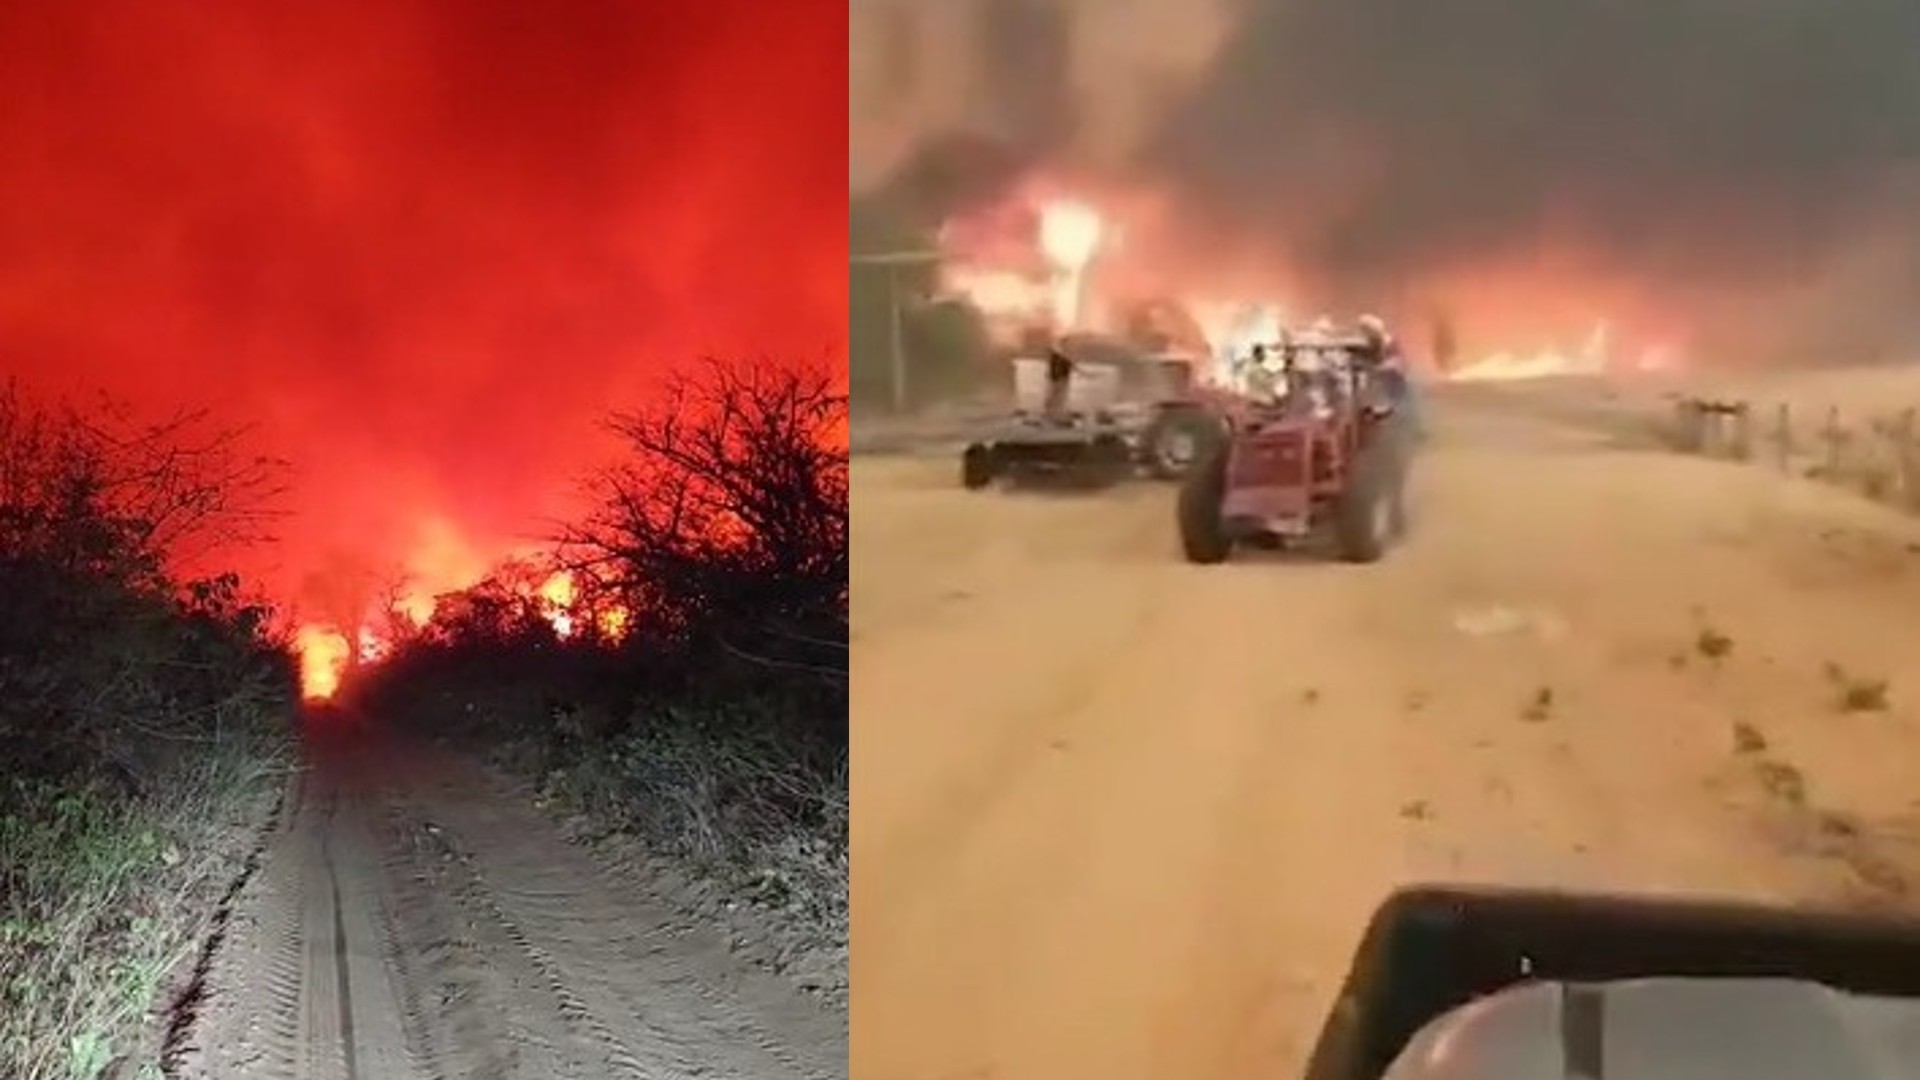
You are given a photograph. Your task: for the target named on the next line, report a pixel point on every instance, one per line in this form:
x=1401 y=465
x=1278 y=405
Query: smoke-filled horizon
x=1713 y=149
x=421 y=246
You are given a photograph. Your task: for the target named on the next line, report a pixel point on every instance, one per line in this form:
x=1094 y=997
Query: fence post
x=1689 y=425
x=1906 y=459
x=1832 y=435
x=1783 y=435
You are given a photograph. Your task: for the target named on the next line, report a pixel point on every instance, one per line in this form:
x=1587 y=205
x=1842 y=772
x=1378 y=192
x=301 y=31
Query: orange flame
x=327 y=654
x=1048 y=258
x=1031 y=266
x=1071 y=233
x=557 y=595
x=323 y=656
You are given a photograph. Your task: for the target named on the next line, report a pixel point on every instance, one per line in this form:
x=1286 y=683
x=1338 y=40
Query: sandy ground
x=414 y=919
x=1117 y=816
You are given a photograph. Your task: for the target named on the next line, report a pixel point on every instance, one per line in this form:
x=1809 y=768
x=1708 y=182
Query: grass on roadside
x=105 y=895
x=718 y=788
x=733 y=785
x=143 y=719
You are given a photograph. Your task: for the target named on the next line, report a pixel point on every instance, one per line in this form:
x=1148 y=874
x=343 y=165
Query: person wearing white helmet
x=1379 y=351
x=1387 y=367
x=1382 y=349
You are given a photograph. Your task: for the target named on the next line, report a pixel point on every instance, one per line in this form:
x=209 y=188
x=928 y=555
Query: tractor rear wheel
x=1368 y=515
x=1203 y=535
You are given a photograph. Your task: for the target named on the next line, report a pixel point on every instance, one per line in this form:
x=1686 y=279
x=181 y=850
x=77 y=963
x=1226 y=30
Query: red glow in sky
x=422 y=244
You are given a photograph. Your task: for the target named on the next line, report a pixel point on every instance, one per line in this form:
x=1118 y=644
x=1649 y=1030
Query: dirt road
x=1118 y=816
x=415 y=920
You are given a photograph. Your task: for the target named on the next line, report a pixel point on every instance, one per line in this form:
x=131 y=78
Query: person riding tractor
x=1385 y=364
x=1059 y=381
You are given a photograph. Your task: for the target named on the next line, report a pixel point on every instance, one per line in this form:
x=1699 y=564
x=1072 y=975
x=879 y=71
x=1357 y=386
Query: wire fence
x=1876 y=455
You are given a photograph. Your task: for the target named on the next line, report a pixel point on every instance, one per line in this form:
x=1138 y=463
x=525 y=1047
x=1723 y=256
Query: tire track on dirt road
x=299 y=990
x=683 y=1018
x=415 y=921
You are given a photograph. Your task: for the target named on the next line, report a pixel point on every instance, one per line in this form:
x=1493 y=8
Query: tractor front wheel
x=1203 y=535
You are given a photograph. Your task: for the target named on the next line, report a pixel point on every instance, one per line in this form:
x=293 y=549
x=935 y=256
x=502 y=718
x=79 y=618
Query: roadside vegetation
x=691 y=695
x=145 y=722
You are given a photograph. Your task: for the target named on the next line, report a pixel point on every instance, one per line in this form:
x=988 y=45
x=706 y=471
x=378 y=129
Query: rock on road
x=1117 y=816
x=413 y=919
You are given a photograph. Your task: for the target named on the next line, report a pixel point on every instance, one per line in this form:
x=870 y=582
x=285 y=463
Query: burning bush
x=139 y=715
x=724 y=535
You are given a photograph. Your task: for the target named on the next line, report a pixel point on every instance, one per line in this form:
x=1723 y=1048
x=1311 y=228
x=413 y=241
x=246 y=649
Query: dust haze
x=1711 y=156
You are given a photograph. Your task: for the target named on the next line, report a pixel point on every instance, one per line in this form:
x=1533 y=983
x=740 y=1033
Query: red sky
x=423 y=243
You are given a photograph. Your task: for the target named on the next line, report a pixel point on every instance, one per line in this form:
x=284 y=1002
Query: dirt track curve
x=1118 y=816
x=414 y=920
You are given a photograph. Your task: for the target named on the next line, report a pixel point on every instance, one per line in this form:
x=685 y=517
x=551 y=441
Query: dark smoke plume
x=1026 y=63
x=1710 y=136
x=1009 y=62
x=1711 y=148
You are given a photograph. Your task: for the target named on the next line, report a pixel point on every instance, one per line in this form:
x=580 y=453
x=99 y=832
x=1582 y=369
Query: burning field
x=1056 y=258
x=378 y=374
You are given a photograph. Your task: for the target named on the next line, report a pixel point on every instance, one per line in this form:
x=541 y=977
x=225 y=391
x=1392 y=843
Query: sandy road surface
x=1118 y=816
x=414 y=920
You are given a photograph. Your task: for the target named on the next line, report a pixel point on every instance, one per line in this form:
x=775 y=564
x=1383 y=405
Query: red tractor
x=1318 y=448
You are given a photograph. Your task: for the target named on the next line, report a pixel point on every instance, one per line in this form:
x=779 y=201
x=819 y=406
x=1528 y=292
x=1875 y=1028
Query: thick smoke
x=423 y=244
x=1393 y=135
x=1711 y=148
x=1079 y=79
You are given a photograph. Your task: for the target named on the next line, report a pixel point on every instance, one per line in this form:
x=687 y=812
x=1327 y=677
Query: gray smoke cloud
x=1078 y=80
x=1706 y=135
x=1719 y=147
